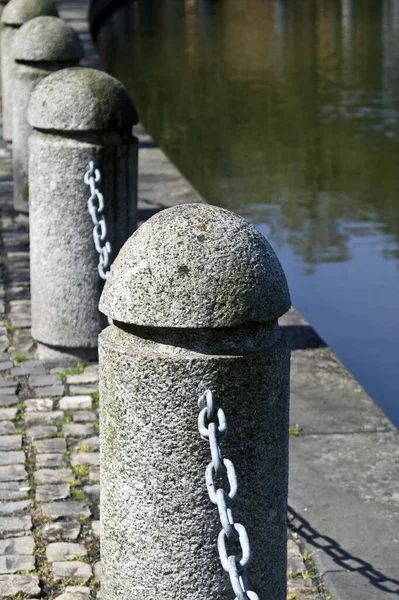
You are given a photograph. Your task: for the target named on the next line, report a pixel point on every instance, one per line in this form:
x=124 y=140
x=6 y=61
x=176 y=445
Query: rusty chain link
x=215 y=432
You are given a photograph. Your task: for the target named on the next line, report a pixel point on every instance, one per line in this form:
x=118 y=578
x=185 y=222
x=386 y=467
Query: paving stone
x=39 y=404
x=10 y=442
x=19 y=492
x=13 y=473
x=52 y=475
x=14 y=563
x=296 y=565
x=44 y=380
x=92 y=443
x=49 y=460
x=5 y=383
x=14 y=508
x=19 y=304
x=82 y=378
x=79 y=430
x=22 y=342
x=93 y=491
x=23 y=320
x=49 y=493
x=72 y=570
x=12 y=458
x=10 y=390
x=85 y=416
x=88 y=388
x=20 y=545
x=96 y=529
x=51 y=445
x=6 y=428
x=75 y=593
x=26 y=585
x=67 y=508
x=27 y=366
x=299 y=586
x=53 y=390
x=85 y=458
x=8 y=400
x=24 y=371
x=75 y=403
x=97 y=570
x=40 y=431
x=44 y=418
x=94 y=474
x=15 y=524
x=93 y=368
x=60 y=551
x=6 y=365
x=66 y=530
x=6 y=414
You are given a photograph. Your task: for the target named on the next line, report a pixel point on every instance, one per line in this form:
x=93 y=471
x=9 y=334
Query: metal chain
x=215 y=432
x=95 y=205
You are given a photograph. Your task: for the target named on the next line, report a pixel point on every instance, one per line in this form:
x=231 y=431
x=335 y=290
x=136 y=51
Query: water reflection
x=287 y=113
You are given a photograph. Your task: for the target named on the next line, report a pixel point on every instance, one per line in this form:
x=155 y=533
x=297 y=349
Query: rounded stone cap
x=17 y=12
x=196 y=266
x=47 y=39
x=80 y=99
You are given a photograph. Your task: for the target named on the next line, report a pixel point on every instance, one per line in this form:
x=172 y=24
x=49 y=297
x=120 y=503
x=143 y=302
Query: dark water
x=286 y=112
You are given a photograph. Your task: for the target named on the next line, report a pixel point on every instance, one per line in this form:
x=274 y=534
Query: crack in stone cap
x=47 y=39
x=17 y=12
x=196 y=266
x=81 y=99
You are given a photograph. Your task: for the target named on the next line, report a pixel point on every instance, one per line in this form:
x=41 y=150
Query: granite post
x=79 y=116
x=195 y=295
x=41 y=46
x=14 y=15
x=2 y=5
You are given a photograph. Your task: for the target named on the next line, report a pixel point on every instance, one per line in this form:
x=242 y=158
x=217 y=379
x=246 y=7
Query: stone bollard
x=79 y=116
x=15 y=14
x=195 y=295
x=41 y=46
x=2 y=5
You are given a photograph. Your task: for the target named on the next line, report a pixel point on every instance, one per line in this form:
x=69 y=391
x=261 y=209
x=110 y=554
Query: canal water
x=287 y=112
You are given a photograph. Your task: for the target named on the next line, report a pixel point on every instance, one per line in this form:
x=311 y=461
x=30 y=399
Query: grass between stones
x=77 y=369
x=295 y=431
x=68 y=417
x=19 y=357
x=96 y=400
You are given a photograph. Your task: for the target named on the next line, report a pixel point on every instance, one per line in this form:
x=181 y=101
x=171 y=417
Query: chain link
x=95 y=205
x=215 y=432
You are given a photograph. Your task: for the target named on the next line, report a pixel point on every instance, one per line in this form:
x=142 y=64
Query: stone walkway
x=49 y=443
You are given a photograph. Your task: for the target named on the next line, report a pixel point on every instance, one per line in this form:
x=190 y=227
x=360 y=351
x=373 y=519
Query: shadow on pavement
x=341 y=557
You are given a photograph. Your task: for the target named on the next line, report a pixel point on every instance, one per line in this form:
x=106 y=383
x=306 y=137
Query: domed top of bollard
x=17 y=12
x=196 y=266
x=47 y=39
x=80 y=99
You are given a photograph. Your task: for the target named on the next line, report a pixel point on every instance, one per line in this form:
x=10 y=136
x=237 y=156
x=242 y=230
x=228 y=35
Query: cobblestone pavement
x=49 y=446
